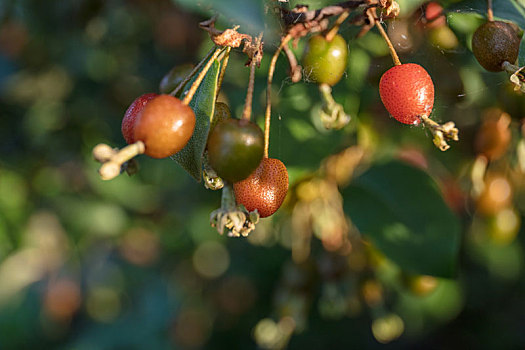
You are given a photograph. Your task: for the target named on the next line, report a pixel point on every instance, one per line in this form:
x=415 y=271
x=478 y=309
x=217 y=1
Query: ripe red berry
x=265 y=188
x=128 y=122
x=407 y=91
x=165 y=125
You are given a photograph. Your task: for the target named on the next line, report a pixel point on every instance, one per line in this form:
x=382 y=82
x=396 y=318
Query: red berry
x=264 y=189
x=407 y=91
x=165 y=125
x=128 y=122
x=433 y=11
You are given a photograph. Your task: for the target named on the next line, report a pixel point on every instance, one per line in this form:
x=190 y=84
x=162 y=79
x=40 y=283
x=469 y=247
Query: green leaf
x=248 y=14
x=408 y=6
x=400 y=210
x=508 y=10
x=521 y=56
x=203 y=104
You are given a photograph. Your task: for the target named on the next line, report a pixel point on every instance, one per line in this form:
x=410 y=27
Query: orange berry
x=165 y=125
x=265 y=189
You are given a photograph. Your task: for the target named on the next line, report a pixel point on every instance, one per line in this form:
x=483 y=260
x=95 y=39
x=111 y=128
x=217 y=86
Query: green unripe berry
x=325 y=61
x=235 y=148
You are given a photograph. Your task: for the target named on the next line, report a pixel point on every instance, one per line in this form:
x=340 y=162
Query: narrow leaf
x=203 y=104
x=521 y=56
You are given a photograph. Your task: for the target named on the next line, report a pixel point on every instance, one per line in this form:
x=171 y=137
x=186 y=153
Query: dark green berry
x=221 y=112
x=235 y=148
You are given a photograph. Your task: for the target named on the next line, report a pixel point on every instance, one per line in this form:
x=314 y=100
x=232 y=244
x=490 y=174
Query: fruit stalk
x=377 y=23
x=202 y=74
x=268 y=112
x=332 y=33
x=441 y=133
x=490 y=13
x=235 y=220
x=333 y=114
x=223 y=69
x=112 y=167
x=247 y=112
x=296 y=73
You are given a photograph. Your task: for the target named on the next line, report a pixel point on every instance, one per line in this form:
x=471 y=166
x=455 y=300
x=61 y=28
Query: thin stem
x=490 y=13
x=193 y=72
x=393 y=52
x=441 y=133
x=200 y=77
x=268 y=111
x=333 y=32
x=247 y=112
x=295 y=69
x=223 y=69
x=228 y=197
x=112 y=167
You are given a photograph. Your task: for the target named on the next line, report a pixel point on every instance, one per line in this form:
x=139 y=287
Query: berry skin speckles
x=128 y=122
x=165 y=125
x=265 y=189
x=407 y=91
x=494 y=43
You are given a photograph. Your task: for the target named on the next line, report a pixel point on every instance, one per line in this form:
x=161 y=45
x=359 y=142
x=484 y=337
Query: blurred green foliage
x=134 y=264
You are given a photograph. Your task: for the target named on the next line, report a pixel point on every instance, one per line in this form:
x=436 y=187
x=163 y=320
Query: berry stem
x=295 y=69
x=193 y=72
x=268 y=112
x=255 y=57
x=393 y=52
x=200 y=77
x=333 y=114
x=333 y=32
x=103 y=153
x=441 y=133
x=490 y=13
x=247 y=112
x=113 y=166
x=225 y=60
x=228 y=197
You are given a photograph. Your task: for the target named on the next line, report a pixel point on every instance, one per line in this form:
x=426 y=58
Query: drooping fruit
x=174 y=77
x=265 y=189
x=235 y=148
x=325 y=61
x=407 y=91
x=165 y=125
x=128 y=122
x=494 y=43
